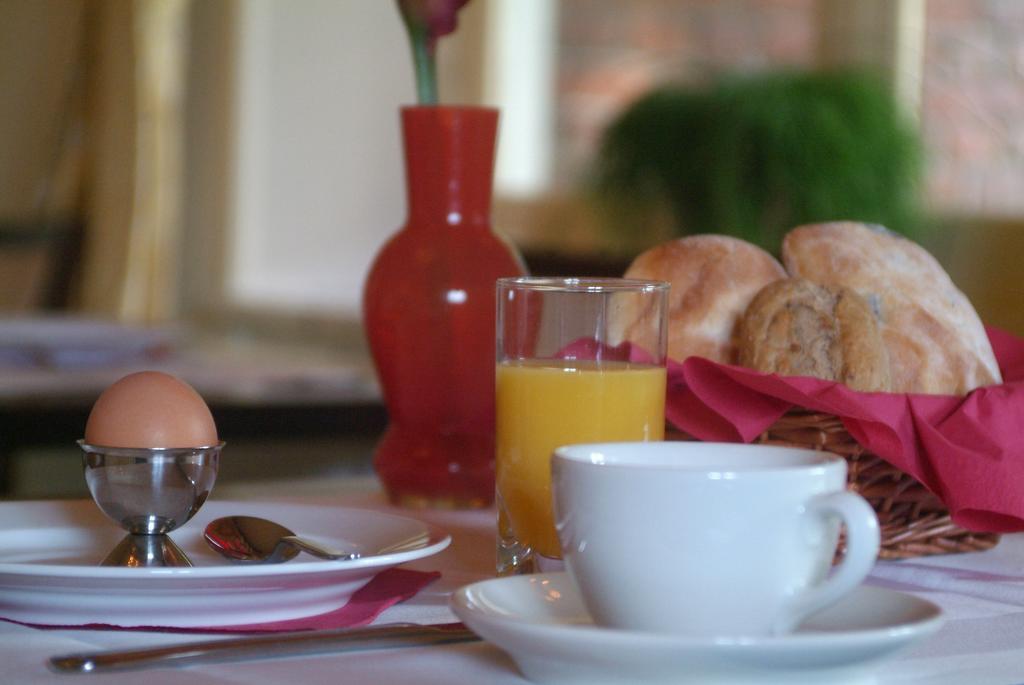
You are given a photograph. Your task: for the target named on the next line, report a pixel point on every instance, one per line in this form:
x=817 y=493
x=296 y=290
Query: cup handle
x=862 y=541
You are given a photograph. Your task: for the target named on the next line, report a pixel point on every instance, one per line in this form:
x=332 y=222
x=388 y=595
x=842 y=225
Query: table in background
x=53 y=369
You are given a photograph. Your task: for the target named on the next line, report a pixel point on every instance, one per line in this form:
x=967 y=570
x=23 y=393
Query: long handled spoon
x=253 y=540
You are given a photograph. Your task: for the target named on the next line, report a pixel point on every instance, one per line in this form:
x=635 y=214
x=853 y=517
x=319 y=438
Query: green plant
x=754 y=156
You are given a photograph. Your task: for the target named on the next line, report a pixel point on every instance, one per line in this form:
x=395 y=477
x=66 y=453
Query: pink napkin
x=387 y=588
x=969 y=451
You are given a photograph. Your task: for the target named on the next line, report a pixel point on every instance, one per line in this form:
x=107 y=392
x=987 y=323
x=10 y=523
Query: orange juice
x=547 y=403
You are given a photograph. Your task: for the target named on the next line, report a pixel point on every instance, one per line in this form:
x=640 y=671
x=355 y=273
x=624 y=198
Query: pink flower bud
x=431 y=18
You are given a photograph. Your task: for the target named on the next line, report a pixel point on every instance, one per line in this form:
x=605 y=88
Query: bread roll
x=713 y=279
x=797 y=328
x=935 y=341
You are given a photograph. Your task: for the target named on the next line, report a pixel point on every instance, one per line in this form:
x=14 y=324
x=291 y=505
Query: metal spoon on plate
x=253 y=540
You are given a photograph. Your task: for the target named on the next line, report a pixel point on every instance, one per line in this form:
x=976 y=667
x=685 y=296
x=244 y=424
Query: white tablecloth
x=982 y=642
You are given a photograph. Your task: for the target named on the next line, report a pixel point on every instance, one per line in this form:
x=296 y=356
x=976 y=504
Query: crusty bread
x=797 y=328
x=713 y=279
x=935 y=341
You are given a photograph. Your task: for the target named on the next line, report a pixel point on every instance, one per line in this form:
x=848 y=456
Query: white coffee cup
x=705 y=539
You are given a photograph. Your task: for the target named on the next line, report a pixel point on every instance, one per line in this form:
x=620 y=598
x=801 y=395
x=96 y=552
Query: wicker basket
x=913 y=521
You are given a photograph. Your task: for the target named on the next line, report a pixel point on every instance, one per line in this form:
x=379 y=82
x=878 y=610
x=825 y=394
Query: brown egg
x=150 y=409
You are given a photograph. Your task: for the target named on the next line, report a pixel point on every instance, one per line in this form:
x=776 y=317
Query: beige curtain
x=40 y=157
x=132 y=178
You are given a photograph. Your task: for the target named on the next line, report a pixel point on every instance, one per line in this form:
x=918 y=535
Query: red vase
x=429 y=314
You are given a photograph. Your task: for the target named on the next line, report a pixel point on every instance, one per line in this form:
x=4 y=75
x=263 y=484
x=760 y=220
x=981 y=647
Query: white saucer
x=49 y=553
x=540 y=621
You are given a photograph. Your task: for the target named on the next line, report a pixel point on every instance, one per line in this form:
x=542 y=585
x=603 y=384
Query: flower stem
x=426 y=71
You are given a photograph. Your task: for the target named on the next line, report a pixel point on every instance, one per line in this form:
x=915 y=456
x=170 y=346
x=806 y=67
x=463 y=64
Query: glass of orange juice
x=578 y=360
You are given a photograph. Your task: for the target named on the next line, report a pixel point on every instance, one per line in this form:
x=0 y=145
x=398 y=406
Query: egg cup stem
x=149 y=491
x=147 y=551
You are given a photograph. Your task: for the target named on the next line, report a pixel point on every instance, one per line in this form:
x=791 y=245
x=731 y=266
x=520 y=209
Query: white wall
x=520 y=58
x=319 y=182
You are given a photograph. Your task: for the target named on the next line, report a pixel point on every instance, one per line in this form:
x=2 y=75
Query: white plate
x=49 y=553
x=540 y=621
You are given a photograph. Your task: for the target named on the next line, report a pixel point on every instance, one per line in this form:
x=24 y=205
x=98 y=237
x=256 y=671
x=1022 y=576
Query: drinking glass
x=578 y=360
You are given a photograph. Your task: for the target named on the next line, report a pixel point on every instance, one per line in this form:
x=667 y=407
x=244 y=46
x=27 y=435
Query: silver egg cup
x=149 y=492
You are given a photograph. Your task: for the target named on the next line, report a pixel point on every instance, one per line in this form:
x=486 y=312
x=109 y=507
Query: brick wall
x=973 y=106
